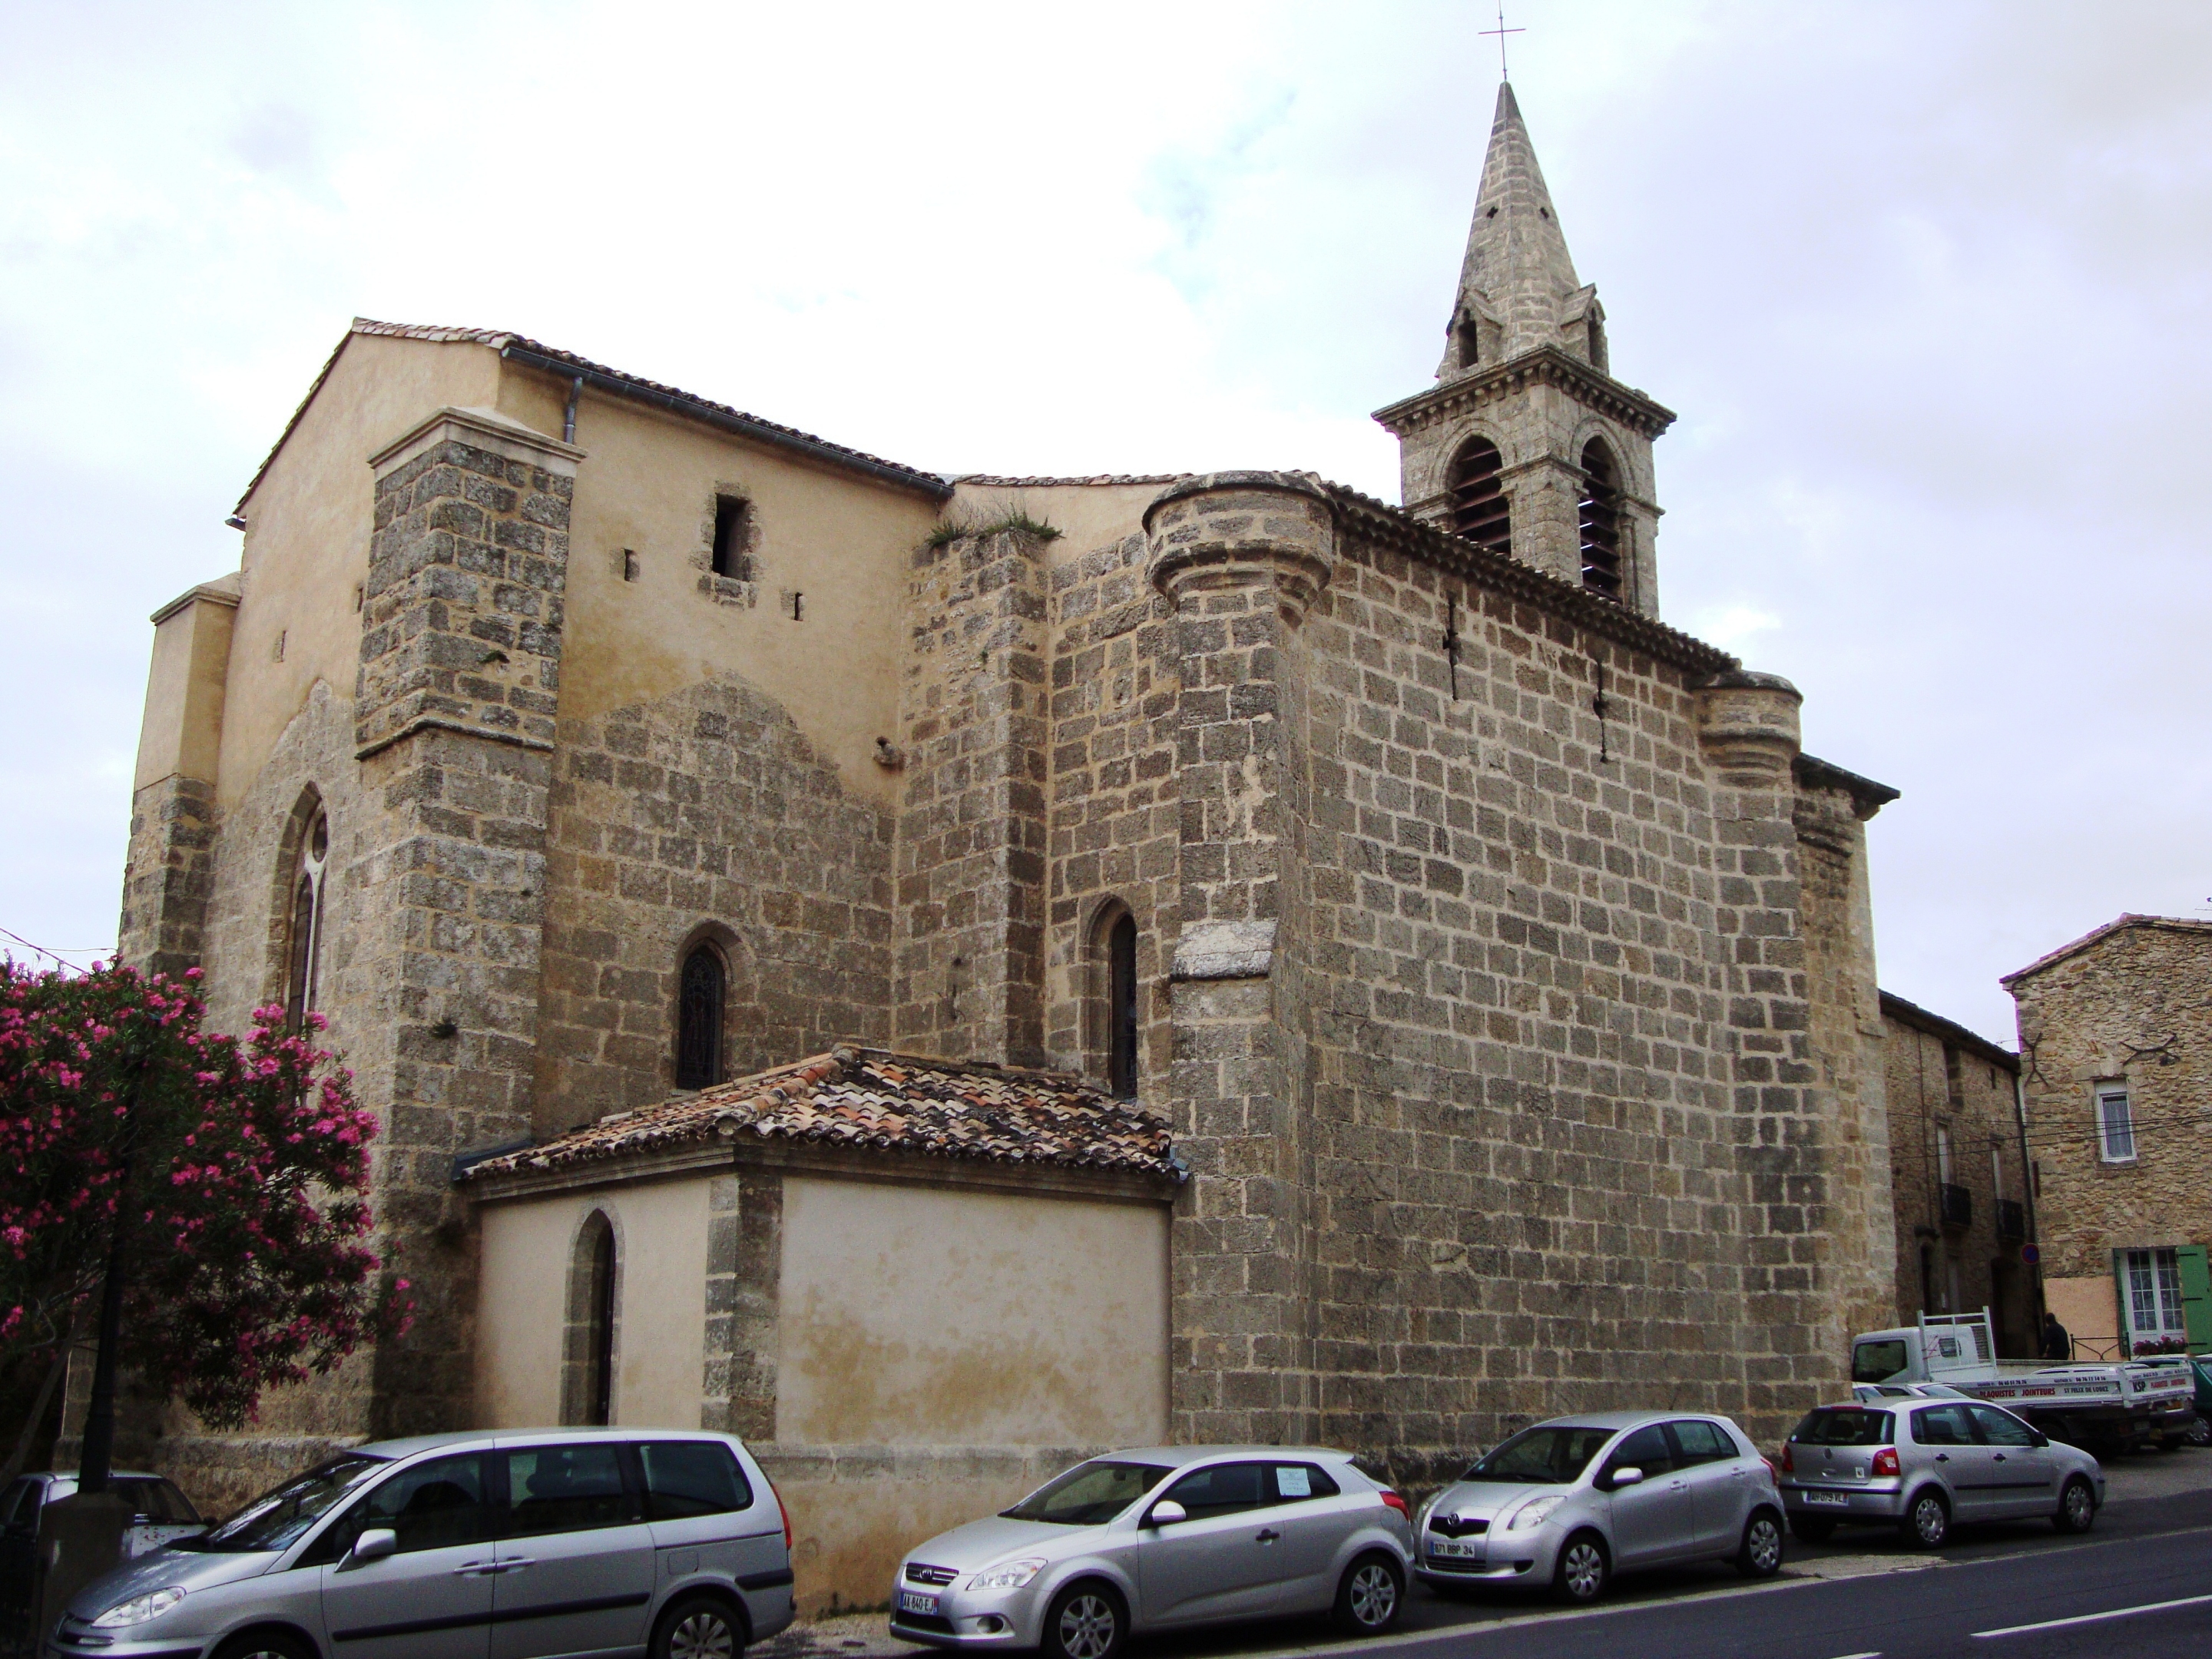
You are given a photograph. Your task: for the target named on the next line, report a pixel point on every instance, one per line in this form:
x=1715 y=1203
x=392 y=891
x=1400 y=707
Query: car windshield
x=1843 y=1425
x=1877 y=1362
x=1541 y=1457
x=276 y=1520
x=1088 y=1495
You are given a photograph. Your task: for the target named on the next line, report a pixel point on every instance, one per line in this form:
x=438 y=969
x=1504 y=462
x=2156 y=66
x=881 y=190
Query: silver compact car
x=1163 y=1538
x=1569 y=1503
x=507 y=1546
x=1923 y=1465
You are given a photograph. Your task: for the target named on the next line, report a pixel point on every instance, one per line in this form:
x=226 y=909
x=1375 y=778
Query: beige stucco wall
x=529 y=1253
x=919 y=1316
x=649 y=485
x=181 y=733
x=2089 y=1309
x=307 y=530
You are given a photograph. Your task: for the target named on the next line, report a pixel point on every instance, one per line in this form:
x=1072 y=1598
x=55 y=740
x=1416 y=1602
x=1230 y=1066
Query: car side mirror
x=373 y=1546
x=1630 y=1476
x=1166 y=1513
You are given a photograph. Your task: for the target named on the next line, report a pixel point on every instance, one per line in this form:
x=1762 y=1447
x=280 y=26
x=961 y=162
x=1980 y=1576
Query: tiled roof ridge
x=996 y=481
x=1522 y=580
x=2097 y=935
x=882 y=1099
x=507 y=342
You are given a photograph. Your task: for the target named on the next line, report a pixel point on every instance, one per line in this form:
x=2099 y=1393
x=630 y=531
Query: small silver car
x=1567 y=1504
x=1923 y=1465
x=1161 y=1538
x=507 y=1546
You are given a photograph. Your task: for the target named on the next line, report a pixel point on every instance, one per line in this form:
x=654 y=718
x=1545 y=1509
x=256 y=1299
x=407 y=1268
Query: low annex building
x=1498 y=965
x=877 y=1268
x=2116 y=1060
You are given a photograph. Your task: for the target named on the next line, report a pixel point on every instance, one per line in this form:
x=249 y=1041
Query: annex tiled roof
x=993 y=481
x=616 y=382
x=868 y=1098
x=2097 y=936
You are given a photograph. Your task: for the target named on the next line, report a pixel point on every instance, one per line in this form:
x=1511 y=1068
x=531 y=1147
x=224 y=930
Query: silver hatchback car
x=508 y=1545
x=1921 y=1465
x=1566 y=1504
x=1163 y=1538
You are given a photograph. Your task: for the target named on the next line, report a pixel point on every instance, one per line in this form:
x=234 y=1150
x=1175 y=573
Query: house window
x=699 y=1020
x=2116 y=1127
x=733 y=528
x=1942 y=1154
x=1600 y=520
x=2154 y=1281
x=1996 y=1173
x=1479 y=511
x=304 y=947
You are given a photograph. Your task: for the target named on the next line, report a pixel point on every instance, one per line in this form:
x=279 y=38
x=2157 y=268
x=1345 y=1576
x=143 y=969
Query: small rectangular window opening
x=278 y=654
x=733 y=525
x=797 y=607
x=628 y=566
x=2116 y=1127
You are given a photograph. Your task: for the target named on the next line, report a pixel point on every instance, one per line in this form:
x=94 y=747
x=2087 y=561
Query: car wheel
x=264 y=1644
x=1579 y=1579
x=2200 y=1433
x=2077 y=1507
x=1812 y=1529
x=698 y=1627
x=1928 y=1523
x=1761 y=1554
x=1369 y=1598
x=1086 y=1621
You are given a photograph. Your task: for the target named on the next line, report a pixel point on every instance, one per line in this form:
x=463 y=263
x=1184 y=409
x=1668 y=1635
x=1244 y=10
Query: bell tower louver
x=1527 y=444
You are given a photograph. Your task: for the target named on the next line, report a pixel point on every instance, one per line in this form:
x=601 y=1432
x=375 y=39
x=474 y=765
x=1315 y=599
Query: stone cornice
x=1547 y=365
x=1366 y=519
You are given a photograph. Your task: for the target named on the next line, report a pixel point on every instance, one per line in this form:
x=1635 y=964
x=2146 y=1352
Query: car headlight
x=1533 y=1513
x=1008 y=1575
x=139 y=1608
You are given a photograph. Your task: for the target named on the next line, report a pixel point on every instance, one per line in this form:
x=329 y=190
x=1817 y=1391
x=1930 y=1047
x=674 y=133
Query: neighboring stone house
x=1502 y=969
x=2116 y=1053
x=1958 y=1174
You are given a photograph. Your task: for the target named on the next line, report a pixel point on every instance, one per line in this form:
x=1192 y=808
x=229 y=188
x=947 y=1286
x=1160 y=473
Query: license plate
x=1828 y=1500
x=1460 y=1547
x=916 y=1601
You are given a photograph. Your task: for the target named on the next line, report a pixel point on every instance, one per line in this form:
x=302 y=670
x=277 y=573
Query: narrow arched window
x=304 y=947
x=1600 y=520
x=603 y=1326
x=1469 y=333
x=1122 y=1006
x=1480 y=513
x=699 y=1020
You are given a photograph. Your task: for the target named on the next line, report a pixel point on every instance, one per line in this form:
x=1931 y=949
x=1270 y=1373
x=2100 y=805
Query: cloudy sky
x=1926 y=281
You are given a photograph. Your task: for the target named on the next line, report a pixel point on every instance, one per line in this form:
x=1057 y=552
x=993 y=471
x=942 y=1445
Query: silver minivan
x=516 y=1545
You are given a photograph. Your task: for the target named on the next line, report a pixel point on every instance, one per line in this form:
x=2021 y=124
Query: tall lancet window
x=699 y=1020
x=1480 y=513
x=1601 y=521
x=304 y=951
x=1122 y=1006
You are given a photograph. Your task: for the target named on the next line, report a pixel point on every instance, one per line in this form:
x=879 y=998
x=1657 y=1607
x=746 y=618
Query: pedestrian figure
x=2058 y=1345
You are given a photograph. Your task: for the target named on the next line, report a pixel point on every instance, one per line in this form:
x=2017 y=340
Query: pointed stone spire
x=1517 y=287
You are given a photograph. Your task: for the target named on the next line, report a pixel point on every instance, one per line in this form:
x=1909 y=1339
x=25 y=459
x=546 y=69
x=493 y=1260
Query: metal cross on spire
x=1501 y=31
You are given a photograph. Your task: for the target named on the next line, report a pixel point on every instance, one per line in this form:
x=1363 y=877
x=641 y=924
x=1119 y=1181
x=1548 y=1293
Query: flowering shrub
x=238 y=1165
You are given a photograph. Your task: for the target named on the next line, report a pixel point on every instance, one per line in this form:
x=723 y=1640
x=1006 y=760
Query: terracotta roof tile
x=995 y=480
x=871 y=1099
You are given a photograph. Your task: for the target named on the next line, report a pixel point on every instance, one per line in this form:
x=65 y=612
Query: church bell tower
x=1526 y=444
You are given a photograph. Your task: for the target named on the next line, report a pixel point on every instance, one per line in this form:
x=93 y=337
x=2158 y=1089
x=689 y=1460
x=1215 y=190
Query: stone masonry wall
x=168 y=875
x=706 y=814
x=1116 y=814
x=971 y=854
x=2131 y=1006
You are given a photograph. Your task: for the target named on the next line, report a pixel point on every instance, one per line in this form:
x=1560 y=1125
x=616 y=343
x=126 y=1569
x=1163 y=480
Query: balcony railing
x=2012 y=1219
x=1958 y=1206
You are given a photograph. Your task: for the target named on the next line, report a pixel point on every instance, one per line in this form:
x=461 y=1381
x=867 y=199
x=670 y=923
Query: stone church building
x=939 y=974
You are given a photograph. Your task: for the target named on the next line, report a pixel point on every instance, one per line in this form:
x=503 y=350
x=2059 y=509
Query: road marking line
x=2095 y=1618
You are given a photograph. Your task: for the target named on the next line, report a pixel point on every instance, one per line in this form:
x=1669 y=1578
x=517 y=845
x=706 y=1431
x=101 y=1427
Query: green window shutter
x=2196 y=1296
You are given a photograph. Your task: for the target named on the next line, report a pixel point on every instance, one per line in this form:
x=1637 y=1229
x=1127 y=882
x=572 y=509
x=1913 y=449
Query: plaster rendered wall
x=2130 y=1007
x=529 y=1258
x=2089 y=1308
x=919 y=1316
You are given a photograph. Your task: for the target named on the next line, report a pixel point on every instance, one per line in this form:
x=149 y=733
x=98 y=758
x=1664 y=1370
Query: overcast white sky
x=1926 y=281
